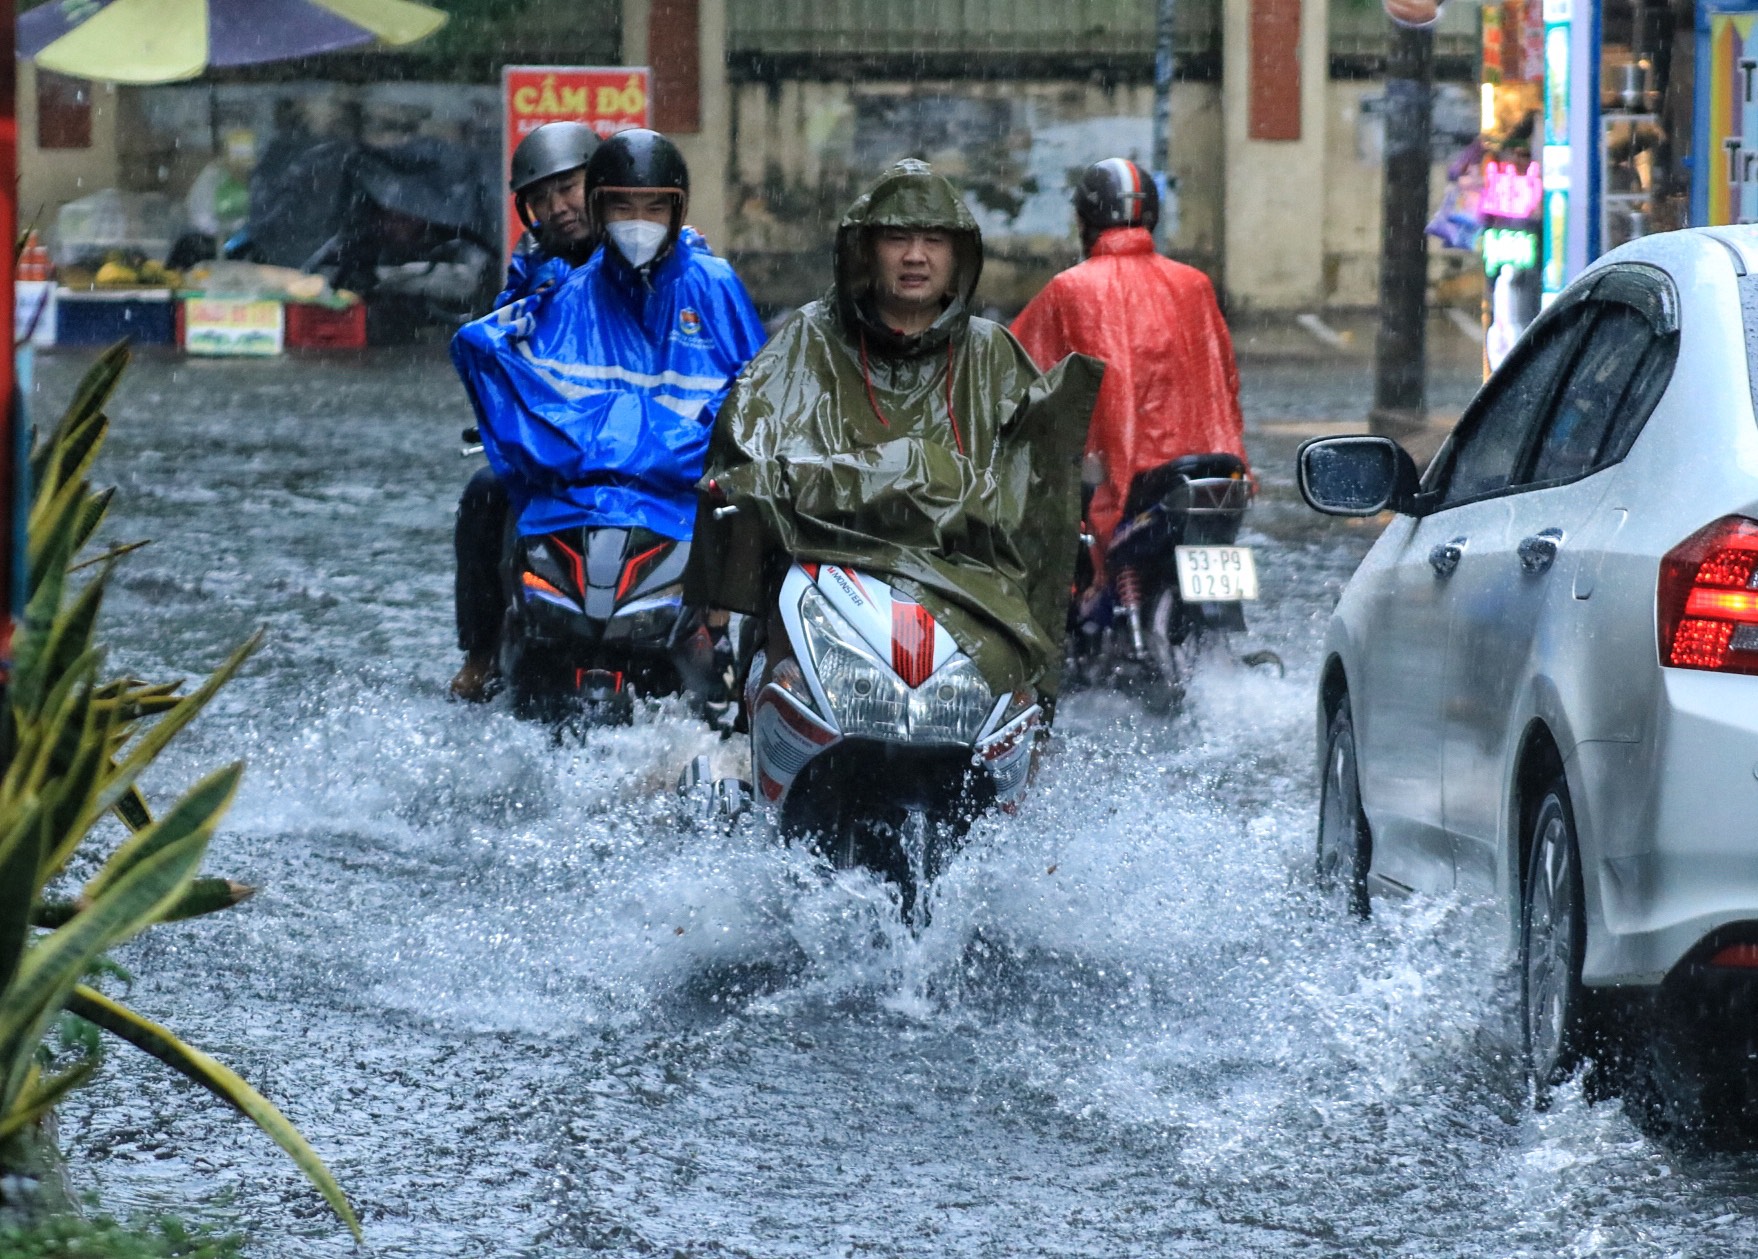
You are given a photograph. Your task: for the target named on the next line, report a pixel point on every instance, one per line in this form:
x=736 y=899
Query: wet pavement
x=522 y=1014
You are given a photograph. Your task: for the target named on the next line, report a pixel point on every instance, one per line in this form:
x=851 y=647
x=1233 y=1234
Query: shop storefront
x=1592 y=113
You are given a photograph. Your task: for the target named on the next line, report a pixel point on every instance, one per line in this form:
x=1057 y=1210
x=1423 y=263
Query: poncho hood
x=908 y=195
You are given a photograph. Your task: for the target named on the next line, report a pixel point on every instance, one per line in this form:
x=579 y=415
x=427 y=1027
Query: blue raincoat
x=529 y=270
x=596 y=396
x=532 y=268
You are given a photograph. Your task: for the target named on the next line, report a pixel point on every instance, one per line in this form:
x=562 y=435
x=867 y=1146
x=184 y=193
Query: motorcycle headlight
x=865 y=697
x=952 y=705
x=648 y=618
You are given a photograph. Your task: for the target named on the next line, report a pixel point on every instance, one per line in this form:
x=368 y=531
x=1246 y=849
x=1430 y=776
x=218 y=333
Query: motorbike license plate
x=1215 y=574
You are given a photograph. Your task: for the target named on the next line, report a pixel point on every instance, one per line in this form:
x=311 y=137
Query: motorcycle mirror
x=1356 y=476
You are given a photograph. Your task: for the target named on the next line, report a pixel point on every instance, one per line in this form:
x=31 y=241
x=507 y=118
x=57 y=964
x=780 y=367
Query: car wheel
x=1345 y=846
x=1553 y=942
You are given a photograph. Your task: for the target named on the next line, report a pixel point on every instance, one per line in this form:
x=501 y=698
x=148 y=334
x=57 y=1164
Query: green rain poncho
x=943 y=461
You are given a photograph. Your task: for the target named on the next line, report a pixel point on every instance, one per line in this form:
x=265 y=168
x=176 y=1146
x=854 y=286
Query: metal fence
x=1031 y=28
x=1078 y=29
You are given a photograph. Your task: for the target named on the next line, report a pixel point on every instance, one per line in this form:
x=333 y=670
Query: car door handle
x=1446 y=556
x=1538 y=552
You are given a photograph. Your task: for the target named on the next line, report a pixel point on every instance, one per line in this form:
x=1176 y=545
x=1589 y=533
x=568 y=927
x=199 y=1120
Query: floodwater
x=521 y=1013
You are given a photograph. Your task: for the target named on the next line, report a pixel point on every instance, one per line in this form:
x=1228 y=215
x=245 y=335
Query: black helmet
x=639 y=160
x=1116 y=193
x=549 y=150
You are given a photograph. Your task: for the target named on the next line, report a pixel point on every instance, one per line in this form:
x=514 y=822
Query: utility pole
x=1399 y=393
x=1162 y=144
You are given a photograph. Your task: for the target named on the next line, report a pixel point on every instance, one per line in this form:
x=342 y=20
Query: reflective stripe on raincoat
x=1171 y=385
x=595 y=397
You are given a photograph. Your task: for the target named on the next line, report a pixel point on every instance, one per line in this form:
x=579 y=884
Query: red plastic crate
x=323 y=328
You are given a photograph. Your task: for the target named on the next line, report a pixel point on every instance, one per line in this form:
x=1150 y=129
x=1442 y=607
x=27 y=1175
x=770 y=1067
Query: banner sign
x=1731 y=154
x=229 y=326
x=608 y=98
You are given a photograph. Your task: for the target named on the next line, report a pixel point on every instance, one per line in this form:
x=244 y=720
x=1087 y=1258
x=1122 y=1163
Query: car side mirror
x=1356 y=476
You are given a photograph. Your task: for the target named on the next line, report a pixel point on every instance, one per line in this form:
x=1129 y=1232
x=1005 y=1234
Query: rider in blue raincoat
x=595 y=397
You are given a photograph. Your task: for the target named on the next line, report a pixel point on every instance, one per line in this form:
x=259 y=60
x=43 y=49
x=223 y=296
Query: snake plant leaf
x=40 y=611
x=197 y=813
x=72 y=787
x=219 y=1080
x=166 y=728
x=38 y=1099
x=73 y=462
x=21 y=859
x=91 y=515
x=132 y=808
x=111 y=556
x=54 y=520
x=54 y=963
x=206 y=895
x=95 y=388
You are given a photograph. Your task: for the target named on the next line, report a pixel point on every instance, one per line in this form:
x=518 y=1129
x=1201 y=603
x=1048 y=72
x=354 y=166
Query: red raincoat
x=1171 y=386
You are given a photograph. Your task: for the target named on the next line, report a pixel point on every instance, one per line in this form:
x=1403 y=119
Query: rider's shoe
x=473 y=682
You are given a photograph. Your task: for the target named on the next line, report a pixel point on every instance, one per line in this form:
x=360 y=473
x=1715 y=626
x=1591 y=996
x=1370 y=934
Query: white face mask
x=637 y=240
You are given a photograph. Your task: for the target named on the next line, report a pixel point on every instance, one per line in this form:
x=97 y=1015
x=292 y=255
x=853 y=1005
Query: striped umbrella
x=162 y=41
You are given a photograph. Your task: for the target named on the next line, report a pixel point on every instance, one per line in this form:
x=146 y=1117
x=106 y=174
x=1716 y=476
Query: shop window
x=64 y=112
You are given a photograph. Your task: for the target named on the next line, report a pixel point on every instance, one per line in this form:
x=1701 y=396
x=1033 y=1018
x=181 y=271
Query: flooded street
x=520 y=1013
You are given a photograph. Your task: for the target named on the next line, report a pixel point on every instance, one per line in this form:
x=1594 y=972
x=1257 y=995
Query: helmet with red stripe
x=1116 y=193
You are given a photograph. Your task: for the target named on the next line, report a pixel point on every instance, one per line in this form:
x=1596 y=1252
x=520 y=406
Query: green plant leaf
x=141 y=754
x=54 y=963
x=21 y=861
x=198 y=812
x=205 y=895
x=94 y=391
x=37 y=1100
x=219 y=1080
x=91 y=516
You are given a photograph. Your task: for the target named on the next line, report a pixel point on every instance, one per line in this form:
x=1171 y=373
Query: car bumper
x=1673 y=827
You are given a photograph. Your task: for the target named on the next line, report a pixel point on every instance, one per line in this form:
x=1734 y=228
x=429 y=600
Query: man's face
x=638 y=203
x=912 y=270
x=559 y=204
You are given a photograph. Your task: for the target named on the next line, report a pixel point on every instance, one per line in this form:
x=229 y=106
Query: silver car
x=1542 y=682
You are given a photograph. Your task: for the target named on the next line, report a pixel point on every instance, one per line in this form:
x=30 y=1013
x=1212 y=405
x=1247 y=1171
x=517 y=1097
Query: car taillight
x=1708 y=599
x=1737 y=956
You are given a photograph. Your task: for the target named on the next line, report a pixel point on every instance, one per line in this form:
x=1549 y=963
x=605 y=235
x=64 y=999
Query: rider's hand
x=519 y=319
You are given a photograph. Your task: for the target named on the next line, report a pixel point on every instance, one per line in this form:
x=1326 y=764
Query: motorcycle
x=595 y=620
x=1175 y=577
x=873 y=736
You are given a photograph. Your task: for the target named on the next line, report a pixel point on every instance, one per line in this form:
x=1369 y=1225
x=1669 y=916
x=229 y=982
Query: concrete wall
x=802 y=150
x=49 y=178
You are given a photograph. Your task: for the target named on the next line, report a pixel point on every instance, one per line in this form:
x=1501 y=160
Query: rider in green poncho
x=887 y=428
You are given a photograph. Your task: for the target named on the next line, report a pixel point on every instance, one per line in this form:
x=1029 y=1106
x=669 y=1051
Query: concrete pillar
x=1273 y=228
x=707 y=150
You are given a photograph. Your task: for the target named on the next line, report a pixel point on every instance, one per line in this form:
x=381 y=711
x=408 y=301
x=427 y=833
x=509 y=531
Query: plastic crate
x=144 y=316
x=311 y=327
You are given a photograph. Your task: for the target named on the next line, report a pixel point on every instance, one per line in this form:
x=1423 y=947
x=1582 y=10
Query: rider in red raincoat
x=1171 y=387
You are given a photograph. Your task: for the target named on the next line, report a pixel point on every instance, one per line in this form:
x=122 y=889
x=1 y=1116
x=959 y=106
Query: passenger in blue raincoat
x=595 y=397
x=548 y=181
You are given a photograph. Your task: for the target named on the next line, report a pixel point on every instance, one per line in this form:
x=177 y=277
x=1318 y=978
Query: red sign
x=609 y=98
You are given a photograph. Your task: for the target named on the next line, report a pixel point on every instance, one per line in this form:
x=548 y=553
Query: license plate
x=1215 y=574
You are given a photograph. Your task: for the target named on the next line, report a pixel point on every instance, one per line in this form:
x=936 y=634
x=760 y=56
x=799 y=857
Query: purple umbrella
x=163 y=41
